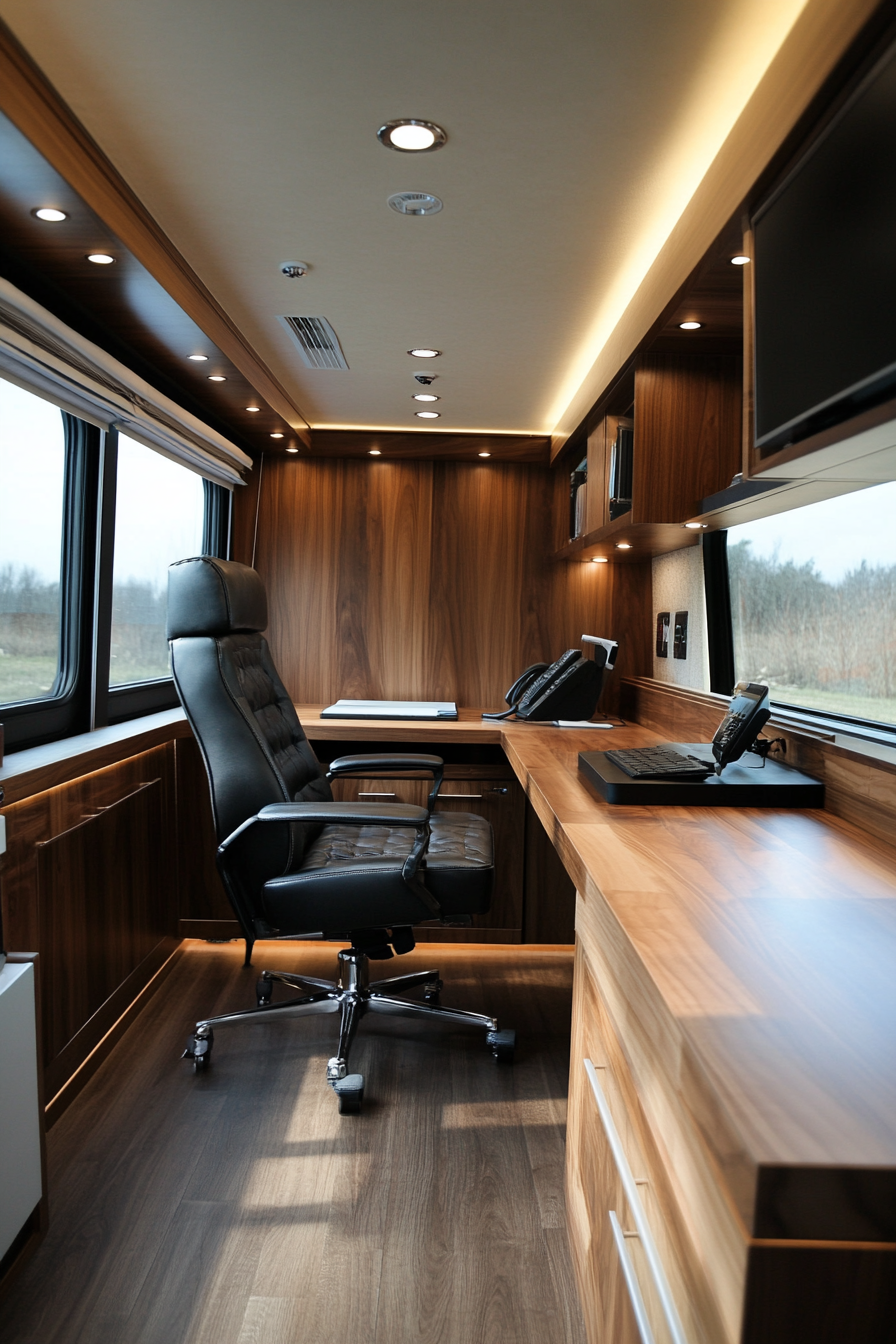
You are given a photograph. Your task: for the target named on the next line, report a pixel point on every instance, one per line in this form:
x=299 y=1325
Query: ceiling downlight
x=411 y=136
x=318 y=343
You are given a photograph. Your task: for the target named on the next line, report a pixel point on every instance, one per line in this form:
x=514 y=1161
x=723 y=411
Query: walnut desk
x=735 y=994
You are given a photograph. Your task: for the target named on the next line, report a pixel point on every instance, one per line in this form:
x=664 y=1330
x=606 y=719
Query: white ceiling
x=577 y=132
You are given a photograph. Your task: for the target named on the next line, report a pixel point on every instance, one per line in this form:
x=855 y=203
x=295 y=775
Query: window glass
x=813 y=604
x=159 y=511
x=32 y=473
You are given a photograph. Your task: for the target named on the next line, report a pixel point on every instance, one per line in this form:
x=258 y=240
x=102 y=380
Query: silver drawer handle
x=631 y=1282
x=362 y=793
x=460 y=795
x=637 y=1209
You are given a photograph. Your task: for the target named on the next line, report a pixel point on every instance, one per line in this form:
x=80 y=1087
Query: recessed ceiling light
x=623 y=545
x=690 y=326
x=599 y=560
x=100 y=258
x=375 y=452
x=696 y=527
x=276 y=436
x=425 y=396
x=411 y=136
x=292 y=450
x=217 y=378
x=740 y=260
x=51 y=216
x=253 y=408
x=424 y=352
x=427 y=415
x=484 y=454
x=198 y=359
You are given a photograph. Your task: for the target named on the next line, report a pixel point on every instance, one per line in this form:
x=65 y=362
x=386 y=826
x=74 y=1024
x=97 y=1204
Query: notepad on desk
x=391 y=709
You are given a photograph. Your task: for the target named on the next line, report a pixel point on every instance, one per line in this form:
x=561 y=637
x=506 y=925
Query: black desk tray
x=744 y=783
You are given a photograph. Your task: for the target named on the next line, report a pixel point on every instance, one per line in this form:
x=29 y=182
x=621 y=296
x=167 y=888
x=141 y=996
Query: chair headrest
x=207 y=596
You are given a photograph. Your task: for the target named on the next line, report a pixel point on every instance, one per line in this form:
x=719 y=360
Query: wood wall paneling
x=423 y=580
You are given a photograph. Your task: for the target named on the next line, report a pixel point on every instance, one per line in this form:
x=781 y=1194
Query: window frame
x=81 y=698
x=720 y=634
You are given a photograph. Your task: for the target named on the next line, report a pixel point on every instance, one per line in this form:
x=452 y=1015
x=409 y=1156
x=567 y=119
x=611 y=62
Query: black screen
x=825 y=273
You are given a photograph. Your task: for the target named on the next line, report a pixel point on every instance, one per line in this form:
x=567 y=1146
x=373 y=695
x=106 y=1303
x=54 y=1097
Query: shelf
x=645 y=539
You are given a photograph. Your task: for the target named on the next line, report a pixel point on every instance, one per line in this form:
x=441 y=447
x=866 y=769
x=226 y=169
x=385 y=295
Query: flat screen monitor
x=825 y=273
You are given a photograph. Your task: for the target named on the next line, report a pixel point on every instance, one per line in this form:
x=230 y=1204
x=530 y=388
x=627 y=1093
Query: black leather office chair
x=295 y=863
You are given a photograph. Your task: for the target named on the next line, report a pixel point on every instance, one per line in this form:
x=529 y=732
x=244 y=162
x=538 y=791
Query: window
x=813 y=604
x=89 y=523
x=159 y=515
x=32 y=476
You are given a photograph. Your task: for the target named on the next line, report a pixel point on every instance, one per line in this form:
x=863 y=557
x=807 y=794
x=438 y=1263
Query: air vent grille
x=318 y=343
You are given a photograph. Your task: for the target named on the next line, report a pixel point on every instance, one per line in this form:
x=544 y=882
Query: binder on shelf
x=577 y=481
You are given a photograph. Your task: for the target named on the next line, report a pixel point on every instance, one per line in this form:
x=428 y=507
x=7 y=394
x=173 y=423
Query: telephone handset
x=566 y=689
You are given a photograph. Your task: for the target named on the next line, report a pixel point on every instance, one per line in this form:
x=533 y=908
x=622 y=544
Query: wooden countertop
x=763 y=944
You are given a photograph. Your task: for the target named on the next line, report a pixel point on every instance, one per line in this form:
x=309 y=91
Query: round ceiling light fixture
x=599 y=560
x=690 y=326
x=217 y=378
x=253 y=409
x=292 y=450
x=740 y=260
x=427 y=415
x=374 y=452
x=277 y=436
x=623 y=545
x=409 y=135
x=425 y=396
x=696 y=527
x=424 y=352
x=198 y=359
x=415 y=203
x=49 y=214
x=484 y=454
x=100 y=258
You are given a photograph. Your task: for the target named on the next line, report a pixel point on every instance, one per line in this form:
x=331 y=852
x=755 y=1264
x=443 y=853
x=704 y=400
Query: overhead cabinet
x=656 y=453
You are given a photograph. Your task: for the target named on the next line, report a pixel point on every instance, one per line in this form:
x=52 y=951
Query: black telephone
x=747 y=715
x=566 y=689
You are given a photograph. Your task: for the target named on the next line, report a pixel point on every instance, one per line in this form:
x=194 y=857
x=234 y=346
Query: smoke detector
x=294 y=269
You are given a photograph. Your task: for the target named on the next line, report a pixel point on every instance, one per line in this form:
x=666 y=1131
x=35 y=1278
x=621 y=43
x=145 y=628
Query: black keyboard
x=659 y=763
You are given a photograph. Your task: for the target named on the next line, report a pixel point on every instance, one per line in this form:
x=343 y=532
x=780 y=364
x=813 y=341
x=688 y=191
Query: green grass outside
x=26 y=678
x=856 y=706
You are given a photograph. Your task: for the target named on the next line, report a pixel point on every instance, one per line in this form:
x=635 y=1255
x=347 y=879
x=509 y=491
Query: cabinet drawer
x=613 y=1166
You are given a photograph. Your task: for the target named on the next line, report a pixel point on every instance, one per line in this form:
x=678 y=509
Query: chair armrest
x=377 y=763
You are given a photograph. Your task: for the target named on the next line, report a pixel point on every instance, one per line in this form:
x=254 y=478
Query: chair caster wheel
x=349 y=1093
x=264 y=991
x=199 y=1049
x=503 y=1044
x=433 y=992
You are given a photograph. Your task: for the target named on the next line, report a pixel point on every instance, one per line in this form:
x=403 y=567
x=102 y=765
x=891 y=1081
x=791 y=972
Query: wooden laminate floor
x=238 y=1207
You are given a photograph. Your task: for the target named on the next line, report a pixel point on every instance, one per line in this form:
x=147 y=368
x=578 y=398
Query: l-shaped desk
x=735 y=992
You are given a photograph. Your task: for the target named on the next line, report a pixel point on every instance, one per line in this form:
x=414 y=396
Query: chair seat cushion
x=459 y=874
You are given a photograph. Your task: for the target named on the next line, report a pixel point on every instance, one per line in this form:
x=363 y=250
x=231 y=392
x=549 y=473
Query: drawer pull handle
x=460 y=795
x=366 y=793
x=631 y=1282
x=637 y=1209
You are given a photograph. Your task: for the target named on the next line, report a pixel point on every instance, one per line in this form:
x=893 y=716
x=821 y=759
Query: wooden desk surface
x=761 y=947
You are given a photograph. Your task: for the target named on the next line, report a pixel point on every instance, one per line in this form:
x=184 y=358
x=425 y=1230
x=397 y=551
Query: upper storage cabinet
x=669 y=436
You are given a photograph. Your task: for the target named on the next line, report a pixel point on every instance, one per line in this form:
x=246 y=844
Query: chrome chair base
x=351 y=996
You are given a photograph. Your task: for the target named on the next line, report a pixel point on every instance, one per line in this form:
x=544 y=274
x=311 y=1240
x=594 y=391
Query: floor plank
x=238 y=1206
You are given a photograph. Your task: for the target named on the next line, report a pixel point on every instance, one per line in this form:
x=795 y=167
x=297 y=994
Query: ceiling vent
x=415 y=203
x=318 y=343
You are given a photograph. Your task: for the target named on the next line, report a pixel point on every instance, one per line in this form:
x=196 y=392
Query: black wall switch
x=680 y=642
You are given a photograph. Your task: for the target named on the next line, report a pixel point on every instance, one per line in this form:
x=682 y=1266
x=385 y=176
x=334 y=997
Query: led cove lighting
x=100 y=258
x=427 y=415
x=411 y=136
x=425 y=396
x=740 y=261
x=424 y=352
x=276 y=436
x=690 y=326
x=217 y=378
x=50 y=215
x=198 y=359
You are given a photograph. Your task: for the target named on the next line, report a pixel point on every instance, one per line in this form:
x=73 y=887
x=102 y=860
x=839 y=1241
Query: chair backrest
x=244 y=721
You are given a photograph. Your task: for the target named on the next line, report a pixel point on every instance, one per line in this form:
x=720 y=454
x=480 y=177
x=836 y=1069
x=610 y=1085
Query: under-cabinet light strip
x=664 y=1293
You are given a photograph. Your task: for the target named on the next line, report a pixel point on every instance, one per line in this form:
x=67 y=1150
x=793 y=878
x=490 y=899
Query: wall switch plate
x=2 y=835
x=662 y=634
x=680 y=642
